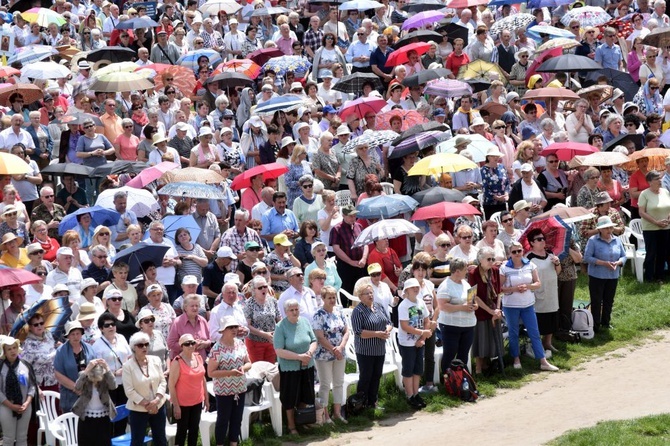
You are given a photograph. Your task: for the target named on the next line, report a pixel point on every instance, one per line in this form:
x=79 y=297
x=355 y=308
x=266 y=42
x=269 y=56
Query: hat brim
x=86 y=317
x=608 y=225
x=18 y=239
x=286 y=244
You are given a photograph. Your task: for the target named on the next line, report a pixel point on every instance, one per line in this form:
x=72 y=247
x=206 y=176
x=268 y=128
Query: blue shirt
x=599 y=249
x=274 y=223
x=359 y=49
x=379 y=58
x=609 y=56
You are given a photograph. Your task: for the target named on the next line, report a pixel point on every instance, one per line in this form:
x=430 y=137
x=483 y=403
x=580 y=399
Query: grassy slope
x=648 y=431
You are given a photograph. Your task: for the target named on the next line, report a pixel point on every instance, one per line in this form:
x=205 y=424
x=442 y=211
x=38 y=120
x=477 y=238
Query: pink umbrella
x=565 y=151
x=554 y=52
x=151 y=174
x=422 y=19
x=361 y=106
x=462 y=4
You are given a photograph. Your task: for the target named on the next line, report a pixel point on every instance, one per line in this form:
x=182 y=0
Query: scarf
x=467 y=113
x=141 y=120
x=12 y=386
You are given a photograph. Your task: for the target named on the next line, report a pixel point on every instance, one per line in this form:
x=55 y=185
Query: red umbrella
x=554 y=52
x=361 y=106
x=555 y=233
x=246 y=66
x=151 y=174
x=566 y=151
x=264 y=54
x=409 y=118
x=269 y=172
x=182 y=77
x=14 y=276
x=445 y=210
x=399 y=56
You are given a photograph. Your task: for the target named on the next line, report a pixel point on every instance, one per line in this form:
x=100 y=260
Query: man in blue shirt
x=358 y=54
x=378 y=60
x=279 y=220
x=609 y=54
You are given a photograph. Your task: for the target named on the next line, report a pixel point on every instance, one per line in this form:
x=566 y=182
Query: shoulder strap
x=166 y=54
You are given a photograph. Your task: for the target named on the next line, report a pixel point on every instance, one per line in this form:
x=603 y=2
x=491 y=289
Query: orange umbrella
x=245 y=66
x=183 y=77
x=30 y=93
x=656 y=159
x=409 y=118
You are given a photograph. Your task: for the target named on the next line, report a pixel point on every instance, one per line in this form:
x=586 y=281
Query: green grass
x=648 y=431
x=639 y=310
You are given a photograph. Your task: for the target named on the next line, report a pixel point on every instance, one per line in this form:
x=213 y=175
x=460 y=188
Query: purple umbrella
x=422 y=19
x=448 y=88
x=418 y=142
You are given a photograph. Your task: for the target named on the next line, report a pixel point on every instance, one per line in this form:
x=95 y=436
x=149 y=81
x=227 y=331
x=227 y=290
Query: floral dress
x=494 y=182
x=229 y=358
x=91 y=334
x=40 y=353
x=358 y=170
x=263 y=318
x=333 y=326
x=164 y=316
x=232 y=155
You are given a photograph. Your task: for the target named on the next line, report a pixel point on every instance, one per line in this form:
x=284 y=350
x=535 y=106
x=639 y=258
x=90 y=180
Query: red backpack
x=459 y=383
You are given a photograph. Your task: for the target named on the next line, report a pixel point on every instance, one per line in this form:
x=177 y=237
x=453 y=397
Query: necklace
x=190 y=361
x=142 y=367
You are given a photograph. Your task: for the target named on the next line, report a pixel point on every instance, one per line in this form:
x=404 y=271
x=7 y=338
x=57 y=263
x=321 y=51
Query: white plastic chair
x=265 y=404
x=437 y=378
x=388 y=188
x=67 y=432
x=629 y=247
x=393 y=360
x=496 y=218
x=342 y=292
x=636 y=229
x=343 y=198
x=207 y=420
x=47 y=416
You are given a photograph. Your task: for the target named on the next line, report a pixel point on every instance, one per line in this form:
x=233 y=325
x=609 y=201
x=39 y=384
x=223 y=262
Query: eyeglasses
x=552 y=161
x=517 y=251
x=445 y=245
x=298 y=275
x=115 y=299
x=254 y=249
x=143 y=345
x=37 y=253
x=188 y=344
x=524 y=56
x=360 y=34
x=499 y=127
x=41 y=274
x=10 y=214
x=87 y=34
x=262 y=271
x=575 y=27
x=307 y=186
x=100 y=257
x=170 y=79
x=110 y=325
x=88 y=126
x=227 y=118
x=127 y=126
x=466 y=237
x=149 y=320
x=37 y=324
x=653 y=88
x=375 y=274
x=262 y=287
x=538 y=239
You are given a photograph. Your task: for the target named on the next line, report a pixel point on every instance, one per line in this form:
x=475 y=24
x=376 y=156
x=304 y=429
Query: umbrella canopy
x=422 y=35
x=244 y=66
x=417 y=142
x=600 y=159
x=190 y=59
x=440 y=163
x=284 y=103
x=112 y=54
x=119 y=167
x=535 y=31
x=30 y=93
x=617 y=79
x=182 y=77
x=15 y=276
x=568 y=150
x=373 y=138
x=56 y=312
x=9 y=71
x=269 y=172
x=114 y=82
x=282 y=64
x=424 y=76
x=560 y=42
x=448 y=88
x=147 y=176
x=479 y=70
x=43 y=16
x=438 y=194
x=353 y=83
x=454 y=31
x=512 y=23
x=140 y=253
x=230 y=79
x=12 y=165
x=445 y=210
x=32 y=53
x=78 y=119
x=361 y=106
x=359 y=5
x=567 y=214
x=121 y=67
x=418 y=5
x=421 y=19
x=61 y=169
x=140 y=201
x=551 y=93
x=192 y=174
x=494 y=109
x=385 y=229
x=419 y=128
x=569 y=62
x=604 y=92
x=462 y=4
x=264 y=54
x=137 y=22
x=192 y=189
x=622 y=139
x=408 y=118
x=45 y=70
x=556 y=234
x=478 y=146
x=386 y=206
x=659 y=37
x=587 y=16
x=99 y=216
x=540 y=58
x=656 y=159
x=399 y=56
x=266 y=12
x=212 y=7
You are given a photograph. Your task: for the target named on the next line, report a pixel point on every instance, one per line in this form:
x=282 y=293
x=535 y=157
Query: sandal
x=293 y=431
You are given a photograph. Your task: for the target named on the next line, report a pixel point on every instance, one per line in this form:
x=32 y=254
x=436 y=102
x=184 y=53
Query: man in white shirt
x=165 y=273
x=297 y=290
x=128 y=217
x=143 y=57
x=110 y=22
x=359 y=52
x=229 y=306
x=266 y=201
x=233 y=40
x=15 y=134
x=327 y=93
x=65 y=274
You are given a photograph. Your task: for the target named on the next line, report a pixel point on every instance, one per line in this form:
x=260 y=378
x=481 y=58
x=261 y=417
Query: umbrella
x=99 y=216
x=32 y=53
x=190 y=59
x=359 y=5
x=9 y=71
x=478 y=84
x=418 y=142
x=551 y=93
x=140 y=253
x=587 y=16
x=441 y=162
x=665 y=138
x=445 y=210
x=192 y=189
x=479 y=70
x=61 y=169
x=12 y=165
x=147 y=176
x=373 y=138
x=409 y=118
x=422 y=35
x=353 y=83
x=212 y=7
x=269 y=172
x=448 y=88
x=15 y=276
x=399 y=56
x=43 y=16
x=173 y=222
x=454 y=31
x=478 y=146
x=424 y=76
x=264 y=54
x=112 y=54
x=45 y=70
x=567 y=214
x=361 y=106
x=421 y=19
x=556 y=234
x=600 y=159
x=656 y=159
x=30 y=93
x=494 y=109
x=635 y=138
x=438 y=194
x=419 y=128
x=533 y=4
x=512 y=23
x=266 y=12
x=78 y=119
x=137 y=22
x=418 y=6
x=659 y=37
x=604 y=92
x=385 y=229
x=114 y=82
x=140 y=201
x=617 y=79
x=539 y=60
x=560 y=42
x=244 y=66
x=231 y=79
x=24 y=5
x=282 y=64
x=119 y=167
x=56 y=312
x=386 y=206
x=462 y=4
x=182 y=77
x=568 y=150
x=284 y=103
x=535 y=31
x=118 y=67
x=192 y=174
x=569 y=62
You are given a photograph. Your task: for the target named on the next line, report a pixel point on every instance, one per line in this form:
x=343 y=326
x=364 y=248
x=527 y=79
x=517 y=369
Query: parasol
x=556 y=232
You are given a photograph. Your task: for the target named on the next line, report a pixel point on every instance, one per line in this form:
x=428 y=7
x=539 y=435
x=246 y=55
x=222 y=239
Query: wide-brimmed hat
x=87 y=282
x=186 y=337
x=286 y=140
x=8 y=238
x=158 y=138
x=9 y=209
x=58 y=288
x=86 y=312
x=8 y=340
x=521 y=204
x=494 y=151
x=410 y=283
x=228 y=321
x=460 y=140
x=73 y=325
x=478 y=120
x=602 y=198
x=143 y=314
x=604 y=222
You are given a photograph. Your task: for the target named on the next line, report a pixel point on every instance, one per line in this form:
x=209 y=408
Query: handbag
x=305 y=415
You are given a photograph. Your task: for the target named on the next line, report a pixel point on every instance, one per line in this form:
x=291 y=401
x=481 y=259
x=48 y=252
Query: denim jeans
x=229 y=411
x=138 y=427
x=527 y=315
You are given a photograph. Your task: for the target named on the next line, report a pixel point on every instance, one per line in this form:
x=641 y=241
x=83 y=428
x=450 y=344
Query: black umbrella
x=353 y=83
x=24 y=5
x=419 y=128
x=119 y=167
x=140 y=253
x=420 y=36
x=569 y=62
x=478 y=84
x=113 y=54
x=615 y=78
x=416 y=142
x=422 y=77
x=454 y=31
x=438 y=194
x=78 y=119
x=68 y=169
x=636 y=138
x=428 y=5
x=138 y=22
x=232 y=79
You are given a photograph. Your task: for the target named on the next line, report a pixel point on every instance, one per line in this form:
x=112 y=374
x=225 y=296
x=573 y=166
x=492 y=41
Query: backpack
x=356 y=404
x=582 y=322
x=254 y=393
x=459 y=383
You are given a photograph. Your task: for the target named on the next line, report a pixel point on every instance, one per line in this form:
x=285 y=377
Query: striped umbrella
x=32 y=53
x=511 y=23
x=190 y=59
x=448 y=88
x=285 y=103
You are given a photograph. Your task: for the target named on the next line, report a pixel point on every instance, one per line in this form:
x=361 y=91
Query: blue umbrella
x=386 y=206
x=99 y=216
x=190 y=59
x=140 y=253
x=359 y=5
x=138 y=22
x=174 y=222
x=535 y=31
x=285 y=103
x=56 y=312
x=281 y=65
x=192 y=189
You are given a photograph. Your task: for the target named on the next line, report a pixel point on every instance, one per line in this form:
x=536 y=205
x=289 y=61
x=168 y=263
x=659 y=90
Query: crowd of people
x=272 y=278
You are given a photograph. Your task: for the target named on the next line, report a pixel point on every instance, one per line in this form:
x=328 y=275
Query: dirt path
x=601 y=389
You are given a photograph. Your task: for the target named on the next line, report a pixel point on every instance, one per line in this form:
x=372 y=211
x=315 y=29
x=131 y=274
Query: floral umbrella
x=560 y=42
x=245 y=66
x=281 y=65
x=556 y=232
x=512 y=23
x=587 y=16
x=408 y=118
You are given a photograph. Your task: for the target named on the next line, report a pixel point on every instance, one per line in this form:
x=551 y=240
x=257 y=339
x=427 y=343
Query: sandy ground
x=601 y=389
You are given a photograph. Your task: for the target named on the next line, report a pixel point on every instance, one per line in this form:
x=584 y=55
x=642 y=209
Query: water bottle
x=465 y=385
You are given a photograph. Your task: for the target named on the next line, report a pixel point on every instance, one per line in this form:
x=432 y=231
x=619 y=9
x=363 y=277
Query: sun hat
x=87 y=312
x=9 y=209
x=73 y=325
x=349 y=210
x=8 y=238
x=469 y=200
x=526 y=167
x=232 y=277
x=158 y=138
x=258 y=265
x=410 y=283
x=64 y=251
x=343 y=130
x=602 y=198
x=226 y=322
x=461 y=140
x=286 y=140
x=316 y=244
x=521 y=204
x=87 y=282
x=143 y=314
x=8 y=341
x=59 y=287
x=182 y=126
x=604 y=222
x=478 y=120
x=186 y=337
x=512 y=95
x=205 y=130
x=494 y=151
x=189 y=280
x=34 y=247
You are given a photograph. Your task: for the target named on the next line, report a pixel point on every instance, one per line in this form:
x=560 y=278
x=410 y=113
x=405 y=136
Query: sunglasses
x=127 y=126
x=37 y=253
x=170 y=79
x=307 y=186
x=41 y=274
x=188 y=344
x=653 y=88
x=375 y=274
x=499 y=127
x=507 y=220
x=298 y=275
x=149 y=320
x=466 y=237
x=88 y=126
x=142 y=345
x=110 y=325
x=445 y=245
x=116 y=299
x=10 y=214
x=517 y=251
x=261 y=272
x=37 y=324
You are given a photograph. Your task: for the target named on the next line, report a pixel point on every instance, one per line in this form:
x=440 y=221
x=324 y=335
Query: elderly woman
x=103 y=236
x=439 y=264
x=325 y=165
x=72 y=240
x=359 y=168
x=605 y=256
x=321 y=261
x=519 y=280
x=146 y=388
x=307 y=205
x=654 y=205
x=49 y=245
x=648 y=99
x=586 y=197
x=262 y=314
x=157 y=343
x=579 y=124
x=193 y=258
x=613 y=126
x=71 y=358
x=228 y=362
x=527 y=188
x=125 y=145
x=426 y=293
x=204 y=154
x=332 y=334
x=120 y=283
x=39 y=350
x=163 y=312
x=495 y=182
x=297 y=175
x=12 y=223
x=95 y=407
x=295 y=344
x=553 y=181
x=13 y=255
x=328 y=217
x=490 y=240
x=524 y=155
x=188 y=390
x=84 y=230
x=125 y=322
x=371 y=327
x=18 y=389
x=464 y=249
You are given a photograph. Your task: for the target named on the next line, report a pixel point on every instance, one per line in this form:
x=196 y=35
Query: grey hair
x=485 y=252
x=242 y=213
x=291 y=303
x=121 y=194
x=258 y=281
x=621 y=149
x=190 y=297
x=156 y=224
x=589 y=173
x=46 y=190
x=99 y=249
x=548 y=121
x=305 y=178
x=127 y=121
x=457 y=264
x=652 y=175
x=139 y=338
x=222 y=99
x=613 y=117
x=580 y=101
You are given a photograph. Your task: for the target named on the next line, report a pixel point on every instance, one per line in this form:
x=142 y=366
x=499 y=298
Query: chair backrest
x=636 y=227
x=348 y=295
x=346 y=312
x=68 y=422
x=342 y=198
x=48 y=404
x=121 y=413
x=350 y=351
x=388 y=188
x=496 y=218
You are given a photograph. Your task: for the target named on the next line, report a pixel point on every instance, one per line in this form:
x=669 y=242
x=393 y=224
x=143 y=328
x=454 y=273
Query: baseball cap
x=282 y=240
x=225 y=252
x=189 y=280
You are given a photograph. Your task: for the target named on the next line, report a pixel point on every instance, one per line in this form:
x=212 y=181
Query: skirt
x=484 y=345
x=547 y=323
x=296 y=387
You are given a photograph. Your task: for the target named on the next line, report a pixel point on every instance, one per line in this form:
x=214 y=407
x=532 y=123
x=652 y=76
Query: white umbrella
x=385 y=229
x=213 y=7
x=45 y=70
x=478 y=147
x=140 y=201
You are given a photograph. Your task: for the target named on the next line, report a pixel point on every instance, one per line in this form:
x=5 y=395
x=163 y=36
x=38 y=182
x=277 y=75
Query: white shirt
x=8 y=139
x=72 y=279
x=258 y=210
x=219 y=312
x=165 y=275
x=156 y=157
x=306 y=298
x=383 y=296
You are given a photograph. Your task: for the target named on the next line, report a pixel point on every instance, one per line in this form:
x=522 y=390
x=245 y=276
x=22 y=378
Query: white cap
x=189 y=280
x=225 y=252
x=64 y=251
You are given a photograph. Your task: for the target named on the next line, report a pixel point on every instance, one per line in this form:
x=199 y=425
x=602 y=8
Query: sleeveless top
x=190 y=390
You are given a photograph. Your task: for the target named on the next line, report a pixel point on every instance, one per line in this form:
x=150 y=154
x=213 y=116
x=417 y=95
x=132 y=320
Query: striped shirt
x=374 y=319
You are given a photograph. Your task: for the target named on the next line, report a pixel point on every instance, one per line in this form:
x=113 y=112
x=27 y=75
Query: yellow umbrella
x=656 y=157
x=480 y=70
x=119 y=67
x=12 y=165
x=440 y=163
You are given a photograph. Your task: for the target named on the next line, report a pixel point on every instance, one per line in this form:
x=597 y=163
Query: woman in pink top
x=125 y=145
x=187 y=391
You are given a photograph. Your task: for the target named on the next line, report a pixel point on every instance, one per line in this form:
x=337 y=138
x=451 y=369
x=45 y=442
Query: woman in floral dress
x=495 y=183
